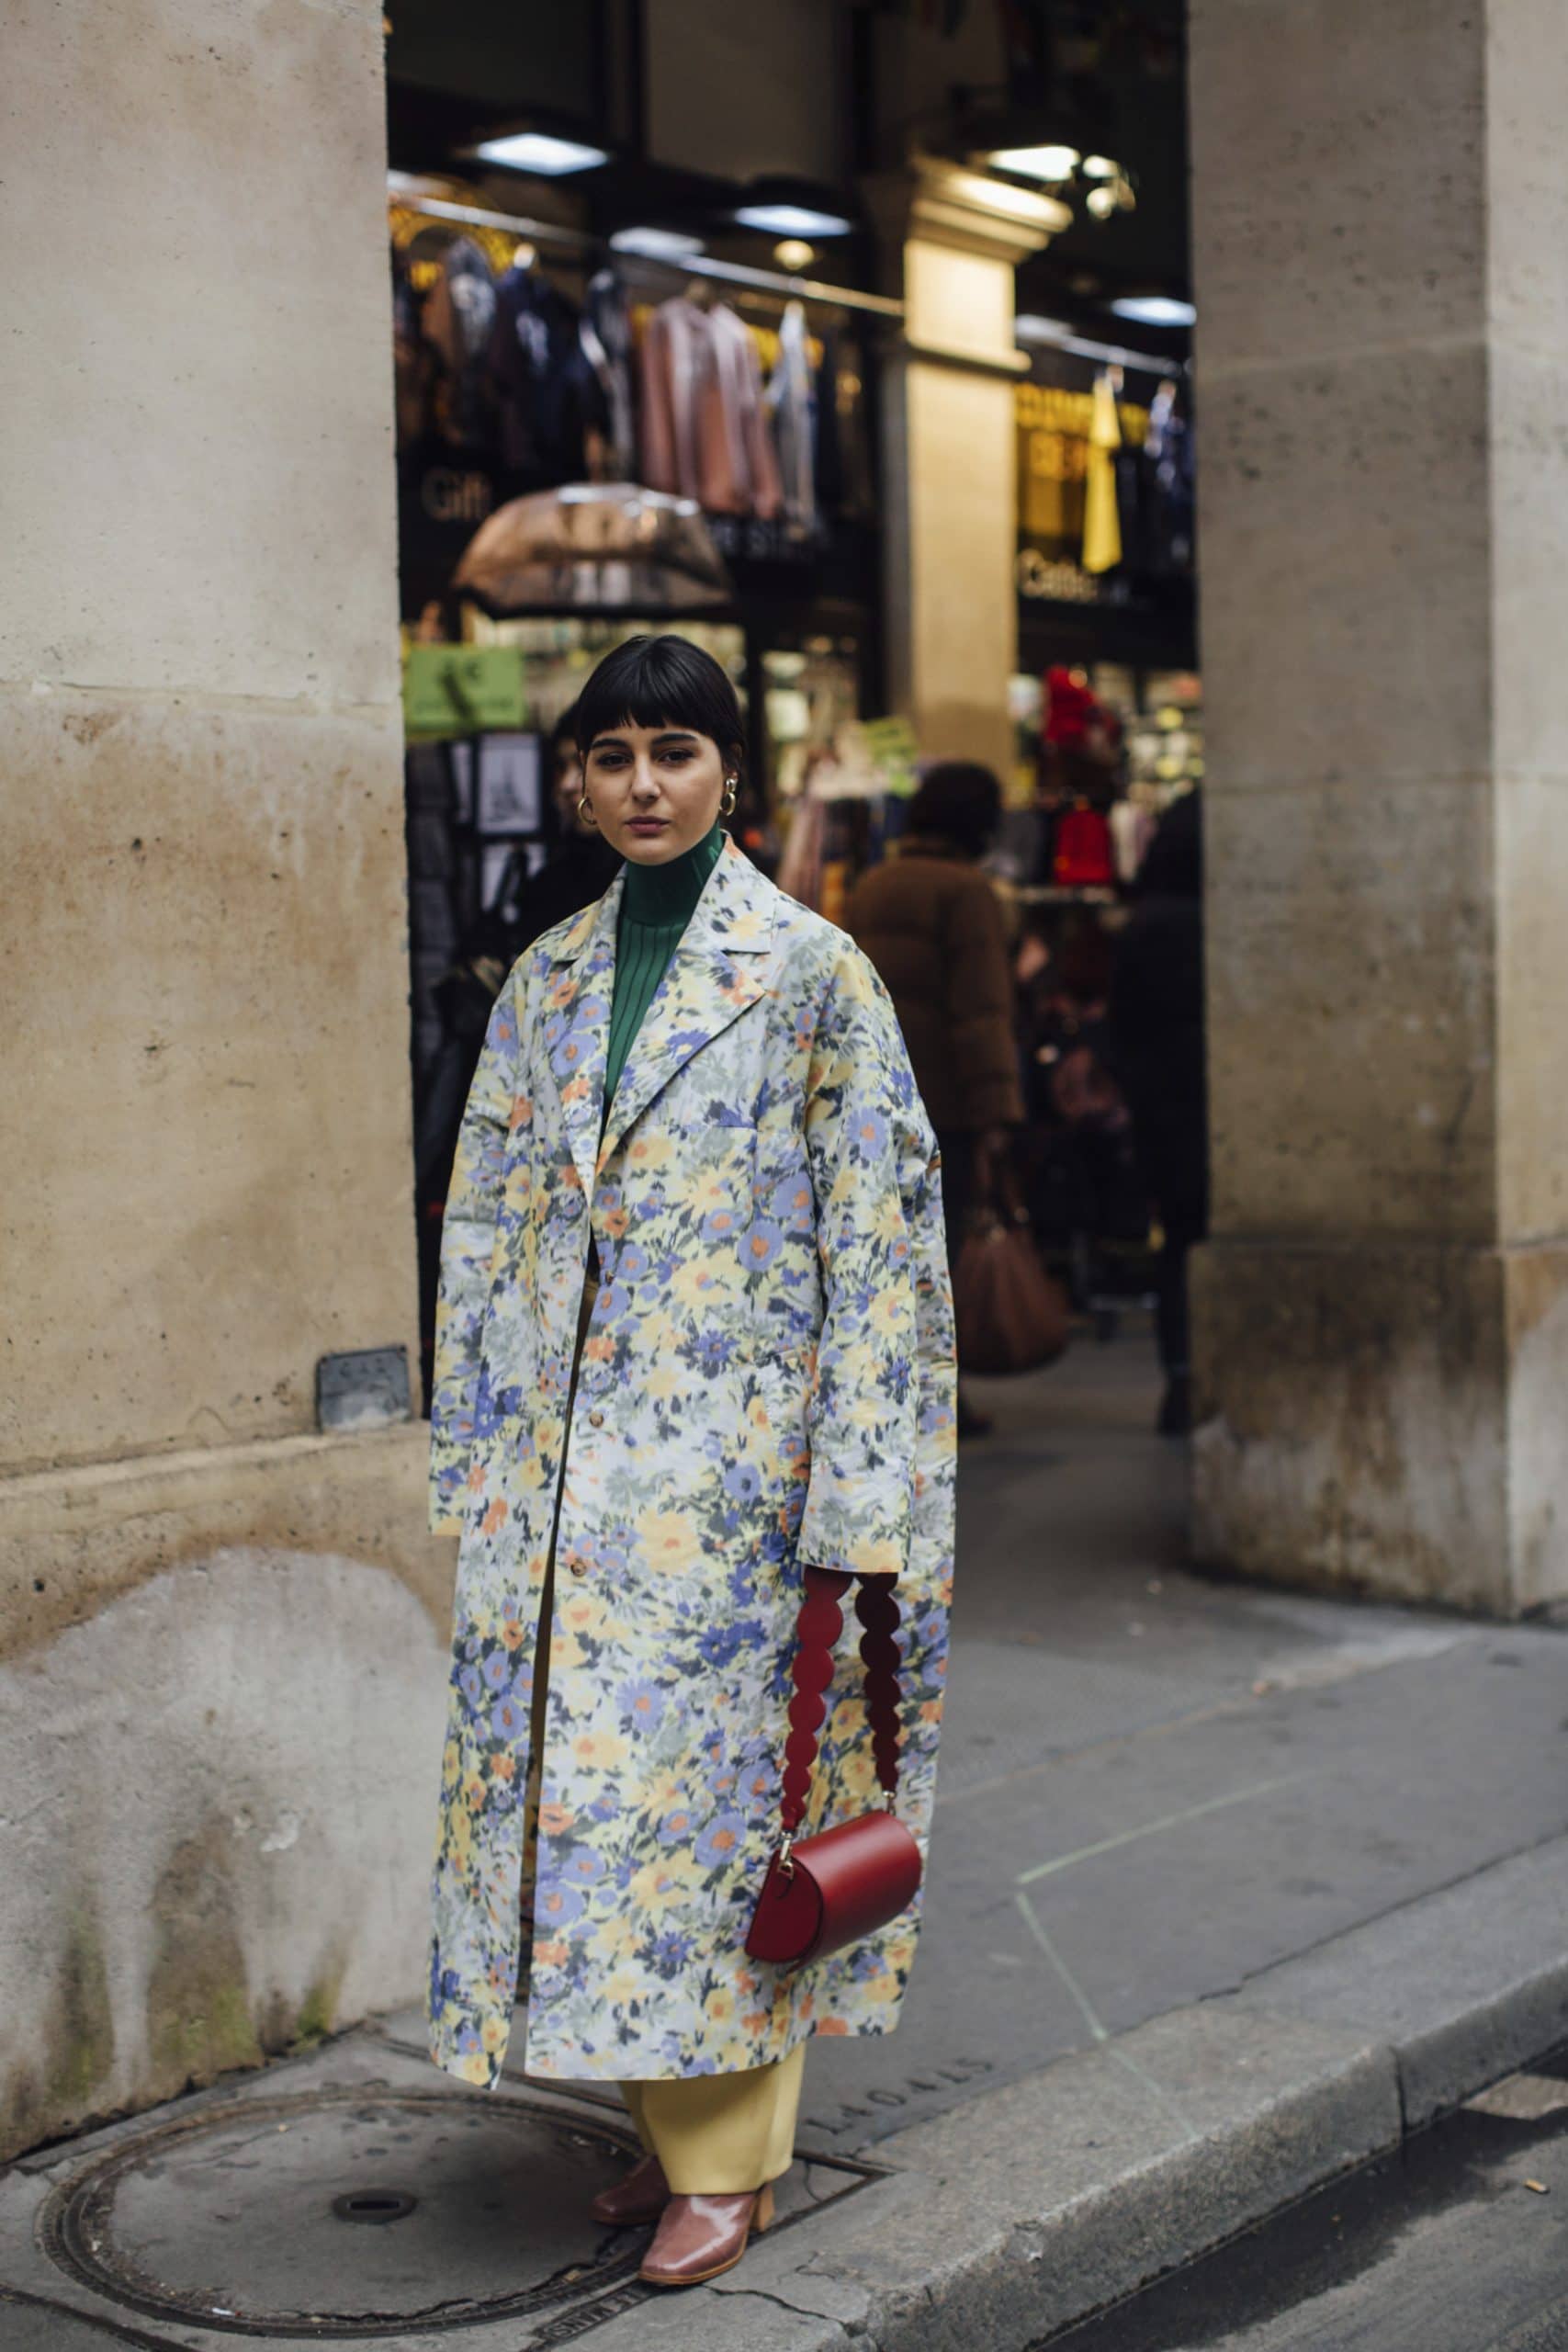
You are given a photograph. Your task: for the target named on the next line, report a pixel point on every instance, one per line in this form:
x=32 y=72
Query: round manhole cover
x=233 y=2218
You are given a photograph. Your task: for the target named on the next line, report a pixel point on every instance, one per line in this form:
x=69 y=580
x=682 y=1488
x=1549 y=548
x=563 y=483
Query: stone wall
x=1381 y=1319
x=220 y=1633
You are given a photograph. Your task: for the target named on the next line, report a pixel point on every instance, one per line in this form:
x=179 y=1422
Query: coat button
x=579 y=1567
x=597 y=1418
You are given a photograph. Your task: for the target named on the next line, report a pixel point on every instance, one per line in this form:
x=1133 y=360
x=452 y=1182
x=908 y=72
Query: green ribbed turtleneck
x=657 y=904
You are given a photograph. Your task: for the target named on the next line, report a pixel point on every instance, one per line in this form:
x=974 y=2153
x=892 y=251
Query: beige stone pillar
x=949 y=472
x=1382 y=1316
x=220 y=1632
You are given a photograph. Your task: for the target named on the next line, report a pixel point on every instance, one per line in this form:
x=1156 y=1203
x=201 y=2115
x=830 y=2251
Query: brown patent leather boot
x=641 y=2197
x=701 y=2236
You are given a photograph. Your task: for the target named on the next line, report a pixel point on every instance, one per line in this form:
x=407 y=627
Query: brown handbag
x=841 y=1885
x=1011 y=1315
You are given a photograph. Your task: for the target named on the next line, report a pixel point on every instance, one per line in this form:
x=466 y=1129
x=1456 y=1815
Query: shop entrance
x=528 y=488
x=588 y=352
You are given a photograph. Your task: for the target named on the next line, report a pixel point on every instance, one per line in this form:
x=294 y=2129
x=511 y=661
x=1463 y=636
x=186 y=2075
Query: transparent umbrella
x=598 y=544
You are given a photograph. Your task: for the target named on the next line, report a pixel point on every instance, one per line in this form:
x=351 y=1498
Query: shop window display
x=521 y=379
x=485 y=813
x=813 y=690
x=517 y=373
x=1104 y=751
x=1105 y=489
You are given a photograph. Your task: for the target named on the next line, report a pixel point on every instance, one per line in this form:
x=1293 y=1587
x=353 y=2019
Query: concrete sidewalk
x=1228 y=1889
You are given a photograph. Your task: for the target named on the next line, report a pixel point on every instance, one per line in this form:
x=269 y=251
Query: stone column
x=949 y=466
x=1382 y=1317
x=221 y=1631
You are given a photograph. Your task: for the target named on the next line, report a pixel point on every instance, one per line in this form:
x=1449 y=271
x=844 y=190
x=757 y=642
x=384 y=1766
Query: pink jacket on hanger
x=706 y=432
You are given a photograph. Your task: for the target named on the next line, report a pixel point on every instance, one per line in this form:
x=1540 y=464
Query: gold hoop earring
x=585 y=809
x=728 y=797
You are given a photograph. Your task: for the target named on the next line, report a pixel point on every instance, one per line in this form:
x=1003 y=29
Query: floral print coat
x=767 y=1383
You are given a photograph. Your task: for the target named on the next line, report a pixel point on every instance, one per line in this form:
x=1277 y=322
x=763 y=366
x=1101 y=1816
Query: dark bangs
x=660 y=682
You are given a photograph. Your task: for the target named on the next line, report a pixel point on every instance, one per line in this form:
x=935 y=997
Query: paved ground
x=1255 y=1878
x=1457 y=2242
x=1154 y=1786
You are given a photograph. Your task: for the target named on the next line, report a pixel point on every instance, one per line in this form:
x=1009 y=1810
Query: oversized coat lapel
x=723 y=963
x=577 y=1024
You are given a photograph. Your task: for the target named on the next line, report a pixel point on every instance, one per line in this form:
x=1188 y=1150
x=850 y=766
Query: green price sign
x=462 y=689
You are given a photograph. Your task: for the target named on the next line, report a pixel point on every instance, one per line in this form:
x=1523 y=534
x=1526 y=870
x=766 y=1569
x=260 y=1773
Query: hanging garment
x=544 y=388
x=767 y=1384
x=739 y=466
x=843 y=469
x=1130 y=470
x=1131 y=830
x=1168 y=454
x=1084 y=856
x=413 y=357
x=791 y=400
x=672 y=360
x=706 y=432
x=1074 y=713
x=1101 y=530
x=459 y=312
x=830 y=455
x=606 y=334
x=800 y=866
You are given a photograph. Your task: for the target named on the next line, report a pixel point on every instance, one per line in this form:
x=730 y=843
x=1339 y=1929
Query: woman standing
x=695 y=1336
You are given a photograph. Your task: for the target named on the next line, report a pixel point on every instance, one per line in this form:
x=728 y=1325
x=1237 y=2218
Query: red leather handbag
x=839 y=1887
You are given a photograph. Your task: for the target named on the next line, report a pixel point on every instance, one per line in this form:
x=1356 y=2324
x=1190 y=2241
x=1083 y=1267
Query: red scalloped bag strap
x=817 y=1630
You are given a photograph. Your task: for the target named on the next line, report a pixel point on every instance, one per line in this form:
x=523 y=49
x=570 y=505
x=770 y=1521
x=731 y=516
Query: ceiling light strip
x=1114 y=354
x=809 y=290
x=403 y=190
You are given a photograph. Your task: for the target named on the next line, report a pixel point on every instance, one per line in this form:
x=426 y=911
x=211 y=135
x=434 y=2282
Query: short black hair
x=959 y=799
x=660 y=682
x=565 y=728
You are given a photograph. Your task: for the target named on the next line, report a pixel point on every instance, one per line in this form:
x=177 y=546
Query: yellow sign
x=1053 y=461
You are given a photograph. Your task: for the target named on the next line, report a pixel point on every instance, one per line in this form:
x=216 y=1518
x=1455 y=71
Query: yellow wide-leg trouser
x=717 y=2134
x=714 y=2136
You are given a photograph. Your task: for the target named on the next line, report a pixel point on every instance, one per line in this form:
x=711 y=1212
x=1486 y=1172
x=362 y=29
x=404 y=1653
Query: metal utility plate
x=227 y=2216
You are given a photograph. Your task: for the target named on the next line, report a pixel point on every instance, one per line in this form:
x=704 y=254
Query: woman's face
x=654 y=790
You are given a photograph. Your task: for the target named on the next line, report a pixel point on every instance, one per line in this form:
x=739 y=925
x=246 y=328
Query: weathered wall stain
x=72 y=1541
x=218 y=1829
x=208 y=1617
x=1384 y=1425
x=198 y=2003
x=63 y=2078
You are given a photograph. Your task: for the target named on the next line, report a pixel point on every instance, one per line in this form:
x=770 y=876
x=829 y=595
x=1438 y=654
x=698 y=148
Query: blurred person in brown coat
x=929 y=922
